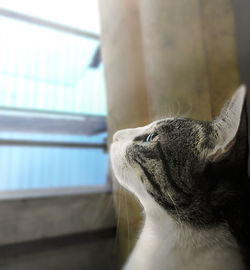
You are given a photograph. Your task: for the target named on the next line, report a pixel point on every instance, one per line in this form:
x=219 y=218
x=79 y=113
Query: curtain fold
x=164 y=57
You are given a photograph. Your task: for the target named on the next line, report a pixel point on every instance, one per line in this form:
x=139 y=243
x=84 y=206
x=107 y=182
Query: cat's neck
x=165 y=244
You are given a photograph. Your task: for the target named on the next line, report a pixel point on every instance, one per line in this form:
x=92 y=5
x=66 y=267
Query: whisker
x=127 y=218
x=117 y=197
x=179 y=219
x=190 y=109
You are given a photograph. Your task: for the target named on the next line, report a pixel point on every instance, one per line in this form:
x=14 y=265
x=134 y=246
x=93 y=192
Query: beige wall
x=164 y=57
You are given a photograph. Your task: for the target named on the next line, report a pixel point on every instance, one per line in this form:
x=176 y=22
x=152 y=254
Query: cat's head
x=192 y=169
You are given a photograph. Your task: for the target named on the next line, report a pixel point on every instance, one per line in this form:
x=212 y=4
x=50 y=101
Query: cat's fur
x=191 y=179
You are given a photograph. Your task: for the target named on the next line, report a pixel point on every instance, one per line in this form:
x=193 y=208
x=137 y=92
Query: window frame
x=37 y=121
x=28 y=215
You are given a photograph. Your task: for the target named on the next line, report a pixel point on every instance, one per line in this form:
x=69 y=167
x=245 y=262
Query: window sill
x=34 y=215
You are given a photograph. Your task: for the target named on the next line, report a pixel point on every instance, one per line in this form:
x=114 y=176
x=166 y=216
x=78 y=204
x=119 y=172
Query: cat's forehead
x=185 y=135
x=177 y=123
x=180 y=131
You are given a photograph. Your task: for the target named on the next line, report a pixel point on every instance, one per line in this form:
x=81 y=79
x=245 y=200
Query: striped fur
x=192 y=183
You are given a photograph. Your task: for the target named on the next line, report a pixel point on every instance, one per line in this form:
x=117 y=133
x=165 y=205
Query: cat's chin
x=124 y=173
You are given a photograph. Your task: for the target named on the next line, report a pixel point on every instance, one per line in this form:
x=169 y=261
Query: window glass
x=46 y=70
x=46 y=167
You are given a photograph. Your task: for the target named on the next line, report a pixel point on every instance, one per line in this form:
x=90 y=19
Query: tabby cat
x=191 y=179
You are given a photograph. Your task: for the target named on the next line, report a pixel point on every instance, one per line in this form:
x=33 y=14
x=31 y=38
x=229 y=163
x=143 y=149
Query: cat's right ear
x=227 y=125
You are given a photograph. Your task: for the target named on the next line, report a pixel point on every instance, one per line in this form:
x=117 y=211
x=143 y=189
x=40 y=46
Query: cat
x=191 y=179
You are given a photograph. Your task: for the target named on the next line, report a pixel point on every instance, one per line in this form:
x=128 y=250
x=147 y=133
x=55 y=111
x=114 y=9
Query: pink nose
x=115 y=137
x=118 y=136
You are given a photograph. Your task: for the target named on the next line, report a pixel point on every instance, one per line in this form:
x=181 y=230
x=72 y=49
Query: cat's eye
x=152 y=137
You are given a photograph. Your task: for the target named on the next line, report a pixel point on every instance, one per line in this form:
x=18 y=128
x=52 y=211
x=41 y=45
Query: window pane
x=49 y=70
x=41 y=167
x=43 y=69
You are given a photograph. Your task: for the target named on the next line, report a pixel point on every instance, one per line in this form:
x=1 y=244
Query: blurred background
x=55 y=203
x=71 y=74
x=51 y=71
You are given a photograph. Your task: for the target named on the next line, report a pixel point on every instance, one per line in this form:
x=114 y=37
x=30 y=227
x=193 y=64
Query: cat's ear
x=226 y=126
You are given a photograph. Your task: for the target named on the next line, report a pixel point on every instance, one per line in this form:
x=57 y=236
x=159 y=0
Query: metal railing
x=52 y=25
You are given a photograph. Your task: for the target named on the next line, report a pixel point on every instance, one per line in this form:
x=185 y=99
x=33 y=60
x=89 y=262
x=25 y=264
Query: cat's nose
x=116 y=137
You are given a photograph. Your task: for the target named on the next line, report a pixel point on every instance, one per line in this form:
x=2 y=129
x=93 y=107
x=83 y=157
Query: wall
x=71 y=231
x=91 y=251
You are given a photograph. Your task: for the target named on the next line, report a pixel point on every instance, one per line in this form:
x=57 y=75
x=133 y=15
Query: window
x=52 y=95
